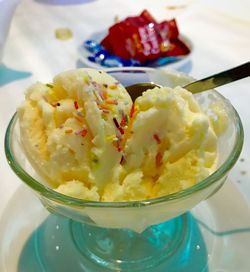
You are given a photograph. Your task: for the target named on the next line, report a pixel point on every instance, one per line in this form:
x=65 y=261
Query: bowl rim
x=64 y=199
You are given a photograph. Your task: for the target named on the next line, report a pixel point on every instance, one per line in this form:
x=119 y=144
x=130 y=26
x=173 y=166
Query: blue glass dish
x=93 y=54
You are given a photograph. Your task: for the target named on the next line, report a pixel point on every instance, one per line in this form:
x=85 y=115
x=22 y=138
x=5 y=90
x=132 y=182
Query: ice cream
x=87 y=138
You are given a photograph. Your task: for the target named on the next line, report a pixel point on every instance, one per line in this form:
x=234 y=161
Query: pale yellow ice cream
x=84 y=135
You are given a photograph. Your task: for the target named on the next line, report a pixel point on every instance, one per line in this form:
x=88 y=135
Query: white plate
x=223 y=222
x=83 y=53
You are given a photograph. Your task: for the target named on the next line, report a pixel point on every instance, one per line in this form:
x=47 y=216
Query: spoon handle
x=219 y=79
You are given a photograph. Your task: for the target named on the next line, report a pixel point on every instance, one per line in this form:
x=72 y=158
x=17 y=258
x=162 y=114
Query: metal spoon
x=201 y=85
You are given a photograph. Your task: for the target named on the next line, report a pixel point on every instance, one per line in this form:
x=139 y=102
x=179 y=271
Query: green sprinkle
x=95 y=160
x=126 y=118
x=49 y=85
x=86 y=79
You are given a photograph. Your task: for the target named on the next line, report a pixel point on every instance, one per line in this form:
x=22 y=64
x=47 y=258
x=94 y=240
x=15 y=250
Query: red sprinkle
x=121 y=130
x=158 y=159
x=117 y=126
x=156 y=137
x=123 y=121
x=76 y=105
x=132 y=110
x=84 y=132
x=117 y=145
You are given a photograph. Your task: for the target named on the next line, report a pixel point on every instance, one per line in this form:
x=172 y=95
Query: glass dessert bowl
x=135 y=235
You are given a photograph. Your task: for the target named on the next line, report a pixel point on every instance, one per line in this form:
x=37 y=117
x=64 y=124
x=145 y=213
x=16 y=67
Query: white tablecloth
x=220 y=33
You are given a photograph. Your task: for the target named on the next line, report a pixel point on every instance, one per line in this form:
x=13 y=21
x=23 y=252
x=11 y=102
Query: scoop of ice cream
x=169 y=145
x=86 y=137
x=68 y=127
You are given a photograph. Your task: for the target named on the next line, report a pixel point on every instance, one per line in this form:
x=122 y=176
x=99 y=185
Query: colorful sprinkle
x=101 y=95
x=68 y=130
x=105 y=107
x=105 y=111
x=116 y=122
x=122 y=160
x=110 y=138
x=97 y=96
x=86 y=80
x=84 y=132
x=126 y=118
x=76 y=105
x=95 y=160
x=104 y=94
x=157 y=139
x=117 y=126
x=124 y=121
x=121 y=130
x=113 y=86
x=132 y=111
x=81 y=132
x=117 y=145
x=112 y=101
x=49 y=85
x=158 y=159
x=53 y=104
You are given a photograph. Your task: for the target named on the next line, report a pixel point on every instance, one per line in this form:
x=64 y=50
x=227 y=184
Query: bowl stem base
x=124 y=249
x=60 y=244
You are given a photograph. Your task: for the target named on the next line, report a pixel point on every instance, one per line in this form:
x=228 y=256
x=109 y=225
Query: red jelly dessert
x=143 y=39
